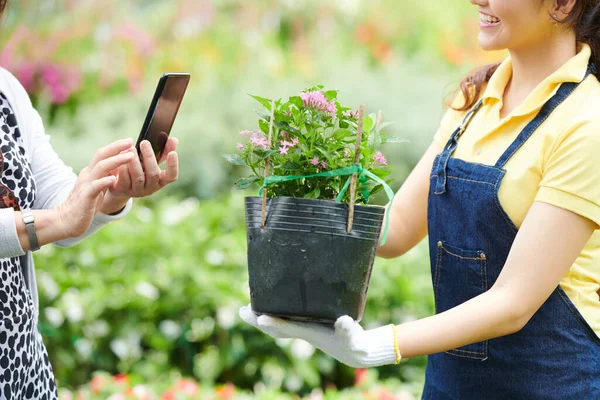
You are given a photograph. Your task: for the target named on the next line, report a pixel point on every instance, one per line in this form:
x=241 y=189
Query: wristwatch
x=28 y=219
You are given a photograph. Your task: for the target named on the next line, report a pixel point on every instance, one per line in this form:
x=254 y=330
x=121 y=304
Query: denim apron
x=557 y=354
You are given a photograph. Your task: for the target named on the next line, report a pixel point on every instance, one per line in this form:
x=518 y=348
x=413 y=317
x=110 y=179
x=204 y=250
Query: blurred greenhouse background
x=152 y=301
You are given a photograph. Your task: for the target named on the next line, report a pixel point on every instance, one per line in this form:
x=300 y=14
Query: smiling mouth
x=488 y=19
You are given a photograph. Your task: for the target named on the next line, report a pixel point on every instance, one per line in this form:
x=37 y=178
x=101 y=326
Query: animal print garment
x=25 y=371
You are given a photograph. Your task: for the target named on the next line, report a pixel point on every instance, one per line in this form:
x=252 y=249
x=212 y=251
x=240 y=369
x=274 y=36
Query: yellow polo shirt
x=559 y=164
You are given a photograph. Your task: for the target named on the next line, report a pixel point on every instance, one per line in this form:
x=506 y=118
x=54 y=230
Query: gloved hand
x=347 y=342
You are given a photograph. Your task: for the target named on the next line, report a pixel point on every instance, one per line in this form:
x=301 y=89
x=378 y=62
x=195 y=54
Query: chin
x=487 y=44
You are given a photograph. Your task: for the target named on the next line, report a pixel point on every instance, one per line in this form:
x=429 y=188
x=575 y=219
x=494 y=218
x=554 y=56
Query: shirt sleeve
x=571 y=177
x=55 y=180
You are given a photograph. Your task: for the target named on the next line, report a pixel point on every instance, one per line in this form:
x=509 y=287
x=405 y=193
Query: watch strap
x=29 y=221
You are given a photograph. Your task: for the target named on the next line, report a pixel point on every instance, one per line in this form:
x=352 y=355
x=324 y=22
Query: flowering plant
x=313 y=138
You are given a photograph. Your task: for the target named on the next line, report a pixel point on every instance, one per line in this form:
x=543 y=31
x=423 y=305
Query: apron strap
x=563 y=92
x=440 y=169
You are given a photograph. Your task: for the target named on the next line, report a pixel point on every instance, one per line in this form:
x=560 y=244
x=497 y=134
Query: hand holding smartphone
x=163 y=110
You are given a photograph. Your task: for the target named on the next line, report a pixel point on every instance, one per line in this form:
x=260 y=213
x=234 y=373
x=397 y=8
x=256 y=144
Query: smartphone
x=163 y=110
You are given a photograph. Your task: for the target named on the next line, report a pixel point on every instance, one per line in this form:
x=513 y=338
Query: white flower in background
x=147 y=290
x=174 y=214
x=84 y=347
x=144 y=214
x=141 y=392
x=226 y=317
x=349 y=7
x=302 y=349
x=103 y=33
x=127 y=348
x=48 y=285
x=54 y=316
x=117 y=396
x=293 y=383
x=316 y=394
x=215 y=257
x=119 y=347
x=87 y=258
x=96 y=329
x=72 y=305
x=170 y=329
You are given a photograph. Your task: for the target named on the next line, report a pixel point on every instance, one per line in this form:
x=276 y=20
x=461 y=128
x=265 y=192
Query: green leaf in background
x=263 y=154
x=234 y=159
x=265 y=102
x=245 y=183
x=313 y=194
x=395 y=139
x=289 y=166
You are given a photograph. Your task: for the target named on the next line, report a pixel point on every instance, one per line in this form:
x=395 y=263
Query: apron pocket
x=459 y=276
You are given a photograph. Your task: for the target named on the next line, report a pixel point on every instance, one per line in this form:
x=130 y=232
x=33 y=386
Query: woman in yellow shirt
x=509 y=193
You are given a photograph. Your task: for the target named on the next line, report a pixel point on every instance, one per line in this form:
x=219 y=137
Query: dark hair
x=3 y=5
x=584 y=18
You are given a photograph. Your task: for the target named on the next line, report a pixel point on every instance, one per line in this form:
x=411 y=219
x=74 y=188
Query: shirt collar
x=572 y=71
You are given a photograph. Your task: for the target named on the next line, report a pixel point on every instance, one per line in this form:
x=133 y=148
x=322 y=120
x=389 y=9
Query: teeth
x=488 y=19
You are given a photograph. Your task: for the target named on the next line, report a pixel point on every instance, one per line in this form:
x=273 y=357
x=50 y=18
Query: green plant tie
x=363 y=175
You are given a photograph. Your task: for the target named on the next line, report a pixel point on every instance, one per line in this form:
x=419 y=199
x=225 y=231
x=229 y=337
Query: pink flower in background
x=317 y=101
x=323 y=164
x=315 y=161
x=295 y=141
x=259 y=141
x=246 y=133
x=283 y=150
x=25 y=73
x=142 y=41
x=239 y=146
x=351 y=114
x=380 y=158
x=346 y=153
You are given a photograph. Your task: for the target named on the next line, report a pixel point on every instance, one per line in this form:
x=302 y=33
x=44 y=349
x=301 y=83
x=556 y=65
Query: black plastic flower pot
x=303 y=264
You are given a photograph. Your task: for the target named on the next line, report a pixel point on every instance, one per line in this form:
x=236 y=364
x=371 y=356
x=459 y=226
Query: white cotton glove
x=348 y=342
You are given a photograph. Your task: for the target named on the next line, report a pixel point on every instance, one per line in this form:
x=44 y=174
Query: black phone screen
x=165 y=112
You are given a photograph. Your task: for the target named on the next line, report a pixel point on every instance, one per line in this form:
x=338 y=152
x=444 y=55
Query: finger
x=248 y=316
x=138 y=179
x=101 y=184
x=111 y=150
x=171 y=173
x=170 y=147
x=349 y=332
x=104 y=167
x=151 y=167
x=123 y=177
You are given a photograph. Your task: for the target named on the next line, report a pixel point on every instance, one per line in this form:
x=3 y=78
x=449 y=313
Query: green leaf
x=314 y=194
x=367 y=125
x=297 y=101
x=234 y=159
x=330 y=94
x=384 y=125
x=264 y=153
x=289 y=166
x=382 y=173
x=264 y=126
x=395 y=139
x=245 y=183
x=286 y=127
x=340 y=134
x=265 y=102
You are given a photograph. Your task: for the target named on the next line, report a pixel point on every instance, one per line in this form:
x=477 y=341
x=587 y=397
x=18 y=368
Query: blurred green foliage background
x=157 y=294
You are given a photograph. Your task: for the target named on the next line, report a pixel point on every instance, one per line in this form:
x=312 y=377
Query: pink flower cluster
x=351 y=114
x=59 y=82
x=317 y=101
x=379 y=157
x=315 y=161
x=285 y=145
x=257 y=139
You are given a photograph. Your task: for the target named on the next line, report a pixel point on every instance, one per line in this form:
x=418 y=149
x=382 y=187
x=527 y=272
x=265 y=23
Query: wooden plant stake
x=359 y=133
x=267 y=160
